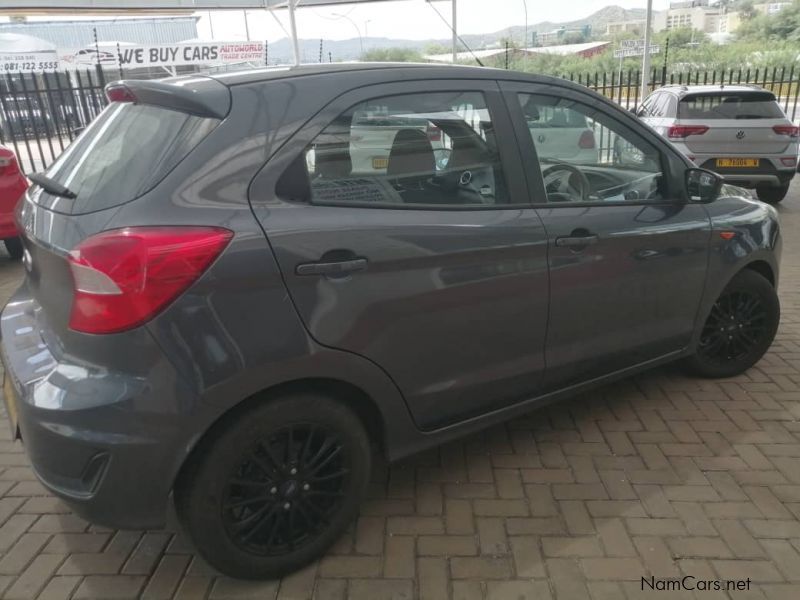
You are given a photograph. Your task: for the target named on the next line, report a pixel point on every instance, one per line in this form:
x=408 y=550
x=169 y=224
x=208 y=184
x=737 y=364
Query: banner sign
x=134 y=56
x=14 y=62
x=634 y=48
x=173 y=55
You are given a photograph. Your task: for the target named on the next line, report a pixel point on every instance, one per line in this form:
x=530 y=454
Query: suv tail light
x=8 y=163
x=586 y=140
x=119 y=93
x=434 y=133
x=679 y=132
x=791 y=130
x=124 y=277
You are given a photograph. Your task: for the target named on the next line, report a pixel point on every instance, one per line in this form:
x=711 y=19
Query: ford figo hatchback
x=739 y=131
x=229 y=306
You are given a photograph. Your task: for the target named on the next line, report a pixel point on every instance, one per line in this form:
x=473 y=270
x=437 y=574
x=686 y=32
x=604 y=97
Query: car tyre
x=271 y=489
x=739 y=329
x=772 y=195
x=14 y=248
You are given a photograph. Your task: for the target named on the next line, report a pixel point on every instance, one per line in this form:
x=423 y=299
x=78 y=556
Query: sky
x=407 y=19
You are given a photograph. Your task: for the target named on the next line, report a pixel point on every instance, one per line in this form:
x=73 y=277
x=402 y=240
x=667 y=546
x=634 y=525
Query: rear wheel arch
x=349 y=395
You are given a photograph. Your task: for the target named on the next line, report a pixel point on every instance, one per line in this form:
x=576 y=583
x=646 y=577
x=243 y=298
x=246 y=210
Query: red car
x=12 y=185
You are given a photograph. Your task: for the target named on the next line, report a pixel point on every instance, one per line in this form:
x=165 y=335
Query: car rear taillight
x=124 y=277
x=8 y=163
x=119 y=93
x=789 y=161
x=679 y=132
x=586 y=140
x=791 y=130
x=434 y=133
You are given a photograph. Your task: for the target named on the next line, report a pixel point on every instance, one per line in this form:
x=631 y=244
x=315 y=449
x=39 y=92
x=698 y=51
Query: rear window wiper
x=51 y=185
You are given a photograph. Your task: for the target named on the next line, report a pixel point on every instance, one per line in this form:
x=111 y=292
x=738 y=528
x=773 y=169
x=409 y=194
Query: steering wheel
x=565 y=190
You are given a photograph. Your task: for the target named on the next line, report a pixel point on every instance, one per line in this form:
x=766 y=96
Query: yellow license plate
x=10 y=397
x=380 y=163
x=737 y=162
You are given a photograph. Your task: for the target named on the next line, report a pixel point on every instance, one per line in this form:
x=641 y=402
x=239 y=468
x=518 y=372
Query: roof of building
x=77 y=33
x=563 y=50
x=567 y=49
x=14 y=43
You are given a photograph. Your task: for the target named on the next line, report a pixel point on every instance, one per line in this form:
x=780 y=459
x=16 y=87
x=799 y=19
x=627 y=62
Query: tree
x=573 y=37
x=745 y=8
x=392 y=55
x=681 y=37
x=779 y=26
x=436 y=49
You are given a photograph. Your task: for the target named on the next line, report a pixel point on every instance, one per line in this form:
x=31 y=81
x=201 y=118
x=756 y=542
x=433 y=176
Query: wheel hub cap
x=285 y=490
x=737 y=324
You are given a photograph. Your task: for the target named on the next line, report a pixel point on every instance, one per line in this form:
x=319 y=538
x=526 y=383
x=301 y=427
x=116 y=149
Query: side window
x=646 y=108
x=428 y=149
x=585 y=155
x=672 y=107
x=662 y=105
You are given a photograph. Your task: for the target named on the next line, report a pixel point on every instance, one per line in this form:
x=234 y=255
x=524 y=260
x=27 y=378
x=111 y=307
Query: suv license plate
x=737 y=162
x=380 y=163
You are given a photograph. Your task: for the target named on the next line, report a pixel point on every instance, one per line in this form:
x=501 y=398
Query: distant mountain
x=281 y=50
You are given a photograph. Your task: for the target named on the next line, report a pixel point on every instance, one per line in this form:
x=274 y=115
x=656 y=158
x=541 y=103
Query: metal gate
x=41 y=113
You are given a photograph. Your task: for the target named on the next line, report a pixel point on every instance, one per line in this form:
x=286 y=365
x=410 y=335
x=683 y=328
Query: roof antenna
x=453 y=30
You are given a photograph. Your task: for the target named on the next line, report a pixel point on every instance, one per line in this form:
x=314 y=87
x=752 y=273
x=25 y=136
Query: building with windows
x=633 y=26
x=699 y=15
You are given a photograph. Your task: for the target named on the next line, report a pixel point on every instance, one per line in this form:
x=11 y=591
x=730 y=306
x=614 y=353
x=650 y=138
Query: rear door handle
x=571 y=242
x=339 y=267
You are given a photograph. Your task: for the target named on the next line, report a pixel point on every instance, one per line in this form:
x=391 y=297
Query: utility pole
x=648 y=24
x=455 y=34
x=246 y=26
x=293 y=32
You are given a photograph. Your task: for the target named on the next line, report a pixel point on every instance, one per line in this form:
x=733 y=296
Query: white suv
x=739 y=131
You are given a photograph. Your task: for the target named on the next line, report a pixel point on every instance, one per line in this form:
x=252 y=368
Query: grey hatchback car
x=221 y=313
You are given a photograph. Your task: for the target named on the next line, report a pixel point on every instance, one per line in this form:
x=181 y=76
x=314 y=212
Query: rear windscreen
x=746 y=105
x=125 y=152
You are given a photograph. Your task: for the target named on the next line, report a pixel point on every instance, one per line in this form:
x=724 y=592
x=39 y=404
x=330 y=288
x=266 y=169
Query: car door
x=627 y=253
x=433 y=266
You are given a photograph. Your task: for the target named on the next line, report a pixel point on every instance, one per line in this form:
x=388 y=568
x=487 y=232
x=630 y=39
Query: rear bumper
x=767 y=173
x=108 y=443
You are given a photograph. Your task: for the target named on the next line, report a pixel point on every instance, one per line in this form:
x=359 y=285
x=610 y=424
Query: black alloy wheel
x=736 y=325
x=739 y=328
x=271 y=487
x=285 y=490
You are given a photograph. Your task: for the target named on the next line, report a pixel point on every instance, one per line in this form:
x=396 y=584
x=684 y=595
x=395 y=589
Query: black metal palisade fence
x=40 y=114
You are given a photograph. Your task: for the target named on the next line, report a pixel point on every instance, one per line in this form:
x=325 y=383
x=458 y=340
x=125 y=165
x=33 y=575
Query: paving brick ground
x=660 y=475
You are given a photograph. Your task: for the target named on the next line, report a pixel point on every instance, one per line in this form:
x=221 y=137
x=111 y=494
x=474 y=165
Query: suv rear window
x=124 y=153
x=735 y=105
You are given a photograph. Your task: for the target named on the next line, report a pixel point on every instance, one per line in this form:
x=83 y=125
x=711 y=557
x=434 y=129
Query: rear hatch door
x=740 y=124
x=123 y=154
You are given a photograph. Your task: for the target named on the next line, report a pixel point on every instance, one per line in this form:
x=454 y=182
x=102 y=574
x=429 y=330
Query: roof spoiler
x=195 y=95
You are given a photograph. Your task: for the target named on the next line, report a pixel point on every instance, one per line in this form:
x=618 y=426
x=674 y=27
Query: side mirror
x=702 y=185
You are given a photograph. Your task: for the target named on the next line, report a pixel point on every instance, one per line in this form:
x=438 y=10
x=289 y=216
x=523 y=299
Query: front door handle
x=338 y=267
x=576 y=241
